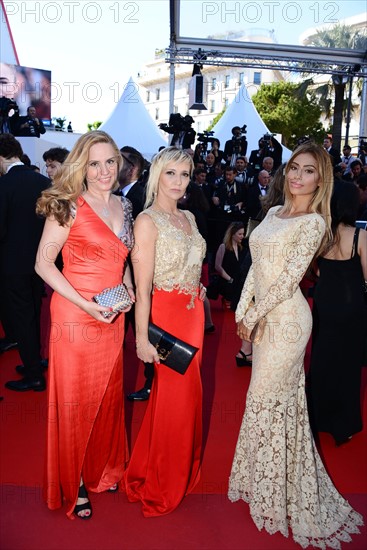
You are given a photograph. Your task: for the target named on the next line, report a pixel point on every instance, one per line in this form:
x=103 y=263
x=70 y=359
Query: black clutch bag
x=117 y=297
x=173 y=352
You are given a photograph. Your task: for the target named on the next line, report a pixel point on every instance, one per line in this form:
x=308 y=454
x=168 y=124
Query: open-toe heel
x=243 y=361
x=82 y=493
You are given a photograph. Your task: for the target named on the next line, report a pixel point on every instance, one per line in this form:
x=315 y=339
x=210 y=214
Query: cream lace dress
x=276 y=467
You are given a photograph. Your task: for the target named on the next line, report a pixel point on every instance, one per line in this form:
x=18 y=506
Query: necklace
x=177 y=219
x=171 y=216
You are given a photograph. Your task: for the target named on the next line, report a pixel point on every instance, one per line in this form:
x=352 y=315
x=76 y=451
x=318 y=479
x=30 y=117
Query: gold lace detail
x=178 y=256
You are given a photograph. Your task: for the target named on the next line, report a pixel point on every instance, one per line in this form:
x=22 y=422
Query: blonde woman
x=86 y=443
x=276 y=467
x=167 y=260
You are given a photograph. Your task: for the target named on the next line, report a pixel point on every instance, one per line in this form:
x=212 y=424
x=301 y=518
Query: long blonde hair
x=160 y=161
x=320 y=202
x=70 y=182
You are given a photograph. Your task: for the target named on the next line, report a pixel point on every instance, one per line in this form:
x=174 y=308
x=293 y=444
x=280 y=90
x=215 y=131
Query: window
x=214 y=83
x=148 y=96
x=157 y=114
x=226 y=81
x=175 y=109
x=199 y=126
x=240 y=78
x=226 y=102
x=158 y=94
x=212 y=106
x=257 y=78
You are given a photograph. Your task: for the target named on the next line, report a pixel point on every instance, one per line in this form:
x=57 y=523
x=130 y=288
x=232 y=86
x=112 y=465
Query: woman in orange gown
x=165 y=462
x=86 y=442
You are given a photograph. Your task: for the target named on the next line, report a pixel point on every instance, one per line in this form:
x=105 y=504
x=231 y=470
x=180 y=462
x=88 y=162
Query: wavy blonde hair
x=320 y=202
x=160 y=161
x=70 y=182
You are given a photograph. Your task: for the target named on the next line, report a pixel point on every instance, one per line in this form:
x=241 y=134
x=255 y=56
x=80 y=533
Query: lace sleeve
x=246 y=296
x=298 y=257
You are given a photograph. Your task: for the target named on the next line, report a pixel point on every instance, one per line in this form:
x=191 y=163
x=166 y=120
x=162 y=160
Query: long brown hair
x=320 y=202
x=232 y=230
x=70 y=182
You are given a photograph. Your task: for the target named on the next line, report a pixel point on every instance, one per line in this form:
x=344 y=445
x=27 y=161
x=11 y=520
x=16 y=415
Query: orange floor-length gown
x=85 y=427
x=165 y=461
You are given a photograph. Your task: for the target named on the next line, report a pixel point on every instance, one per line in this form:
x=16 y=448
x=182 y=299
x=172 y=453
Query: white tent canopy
x=242 y=111
x=131 y=124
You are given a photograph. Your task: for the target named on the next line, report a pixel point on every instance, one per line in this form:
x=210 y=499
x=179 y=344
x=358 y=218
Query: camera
x=206 y=137
x=177 y=123
x=267 y=137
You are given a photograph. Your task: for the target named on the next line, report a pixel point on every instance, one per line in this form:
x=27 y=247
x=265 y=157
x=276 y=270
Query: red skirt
x=165 y=462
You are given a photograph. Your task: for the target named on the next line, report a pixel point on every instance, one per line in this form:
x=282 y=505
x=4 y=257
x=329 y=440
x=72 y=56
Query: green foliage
x=94 y=125
x=332 y=93
x=286 y=109
x=59 y=123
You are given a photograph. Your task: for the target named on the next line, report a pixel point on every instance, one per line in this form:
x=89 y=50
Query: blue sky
x=93 y=47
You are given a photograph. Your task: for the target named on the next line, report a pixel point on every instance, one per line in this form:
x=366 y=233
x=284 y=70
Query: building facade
x=222 y=84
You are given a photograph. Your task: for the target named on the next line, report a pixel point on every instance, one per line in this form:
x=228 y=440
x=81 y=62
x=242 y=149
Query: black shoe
x=22 y=371
x=6 y=345
x=82 y=493
x=37 y=384
x=243 y=361
x=141 y=395
x=210 y=329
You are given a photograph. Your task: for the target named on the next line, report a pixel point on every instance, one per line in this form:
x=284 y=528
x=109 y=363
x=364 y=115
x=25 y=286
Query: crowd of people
x=254 y=227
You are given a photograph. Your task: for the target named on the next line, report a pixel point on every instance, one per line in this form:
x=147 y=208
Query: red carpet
x=205 y=520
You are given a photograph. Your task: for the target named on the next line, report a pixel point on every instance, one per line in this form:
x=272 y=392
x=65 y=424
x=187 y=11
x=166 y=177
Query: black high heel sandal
x=82 y=493
x=243 y=361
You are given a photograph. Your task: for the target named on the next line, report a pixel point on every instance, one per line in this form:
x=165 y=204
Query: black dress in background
x=338 y=348
x=231 y=265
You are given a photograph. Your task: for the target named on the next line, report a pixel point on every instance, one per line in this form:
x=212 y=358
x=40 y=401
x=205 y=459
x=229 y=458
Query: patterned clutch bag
x=117 y=297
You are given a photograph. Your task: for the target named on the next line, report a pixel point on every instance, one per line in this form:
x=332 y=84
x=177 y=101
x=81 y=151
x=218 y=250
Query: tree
x=285 y=111
x=94 y=125
x=339 y=36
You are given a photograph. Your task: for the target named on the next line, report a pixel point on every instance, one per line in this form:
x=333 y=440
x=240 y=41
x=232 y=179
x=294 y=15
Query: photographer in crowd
x=183 y=135
x=237 y=146
x=30 y=125
x=268 y=147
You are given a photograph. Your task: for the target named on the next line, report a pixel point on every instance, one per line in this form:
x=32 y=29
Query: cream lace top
x=178 y=256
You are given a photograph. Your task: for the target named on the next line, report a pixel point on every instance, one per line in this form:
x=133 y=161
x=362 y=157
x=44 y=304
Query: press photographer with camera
x=30 y=125
x=183 y=135
x=268 y=147
x=237 y=146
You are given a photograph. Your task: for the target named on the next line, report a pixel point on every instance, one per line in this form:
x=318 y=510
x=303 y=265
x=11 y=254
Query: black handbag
x=173 y=352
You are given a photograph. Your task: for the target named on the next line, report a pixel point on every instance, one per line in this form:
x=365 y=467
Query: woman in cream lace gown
x=276 y=467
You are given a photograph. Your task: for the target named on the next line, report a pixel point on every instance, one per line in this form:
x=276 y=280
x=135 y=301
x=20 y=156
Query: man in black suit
x=30 y=125
x=20 y=233
x=253 y=204
x=334 y=153
x=131 y=185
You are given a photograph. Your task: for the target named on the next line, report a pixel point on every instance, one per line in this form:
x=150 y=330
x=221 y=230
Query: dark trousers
x=22 y=312
x=148 y=367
